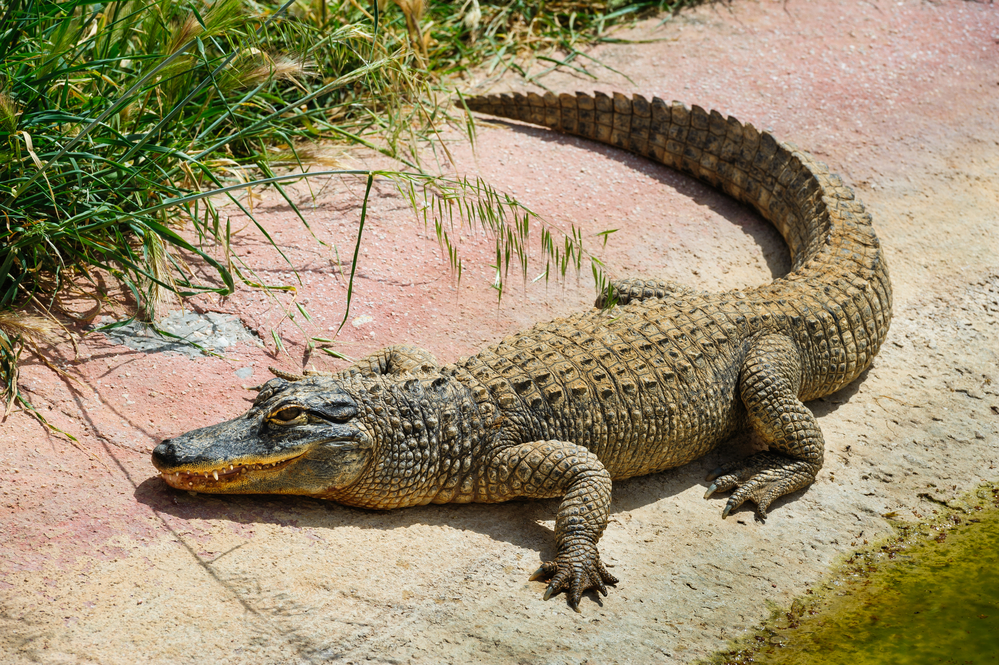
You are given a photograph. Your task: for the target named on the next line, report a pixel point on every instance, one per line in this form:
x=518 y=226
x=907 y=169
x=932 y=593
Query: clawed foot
x=761 y=478
x=574 y=572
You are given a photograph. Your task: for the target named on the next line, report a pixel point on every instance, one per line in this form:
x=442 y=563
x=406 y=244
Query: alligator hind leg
x=624 y=291
x=769 y=383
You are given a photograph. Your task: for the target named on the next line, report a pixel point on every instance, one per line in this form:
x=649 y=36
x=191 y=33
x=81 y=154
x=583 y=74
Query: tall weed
x=121 y=120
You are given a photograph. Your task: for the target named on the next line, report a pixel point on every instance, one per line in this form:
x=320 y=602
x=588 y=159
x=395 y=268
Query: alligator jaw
x=223 y=478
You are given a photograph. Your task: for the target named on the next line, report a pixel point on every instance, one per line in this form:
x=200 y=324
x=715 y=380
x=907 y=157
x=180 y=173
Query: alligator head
x=306 y=437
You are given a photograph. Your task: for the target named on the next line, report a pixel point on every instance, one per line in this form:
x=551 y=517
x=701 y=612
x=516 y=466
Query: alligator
x=563 y=409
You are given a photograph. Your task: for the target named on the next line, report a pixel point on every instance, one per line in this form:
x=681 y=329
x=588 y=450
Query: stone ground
x=101 y=562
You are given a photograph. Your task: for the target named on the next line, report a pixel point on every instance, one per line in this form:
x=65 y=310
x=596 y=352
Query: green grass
x=112 y=115
x=525 y=35
x=927 y=596
x=122 y=122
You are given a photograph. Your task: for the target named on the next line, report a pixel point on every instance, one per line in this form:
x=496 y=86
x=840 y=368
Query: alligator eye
x=286 y=416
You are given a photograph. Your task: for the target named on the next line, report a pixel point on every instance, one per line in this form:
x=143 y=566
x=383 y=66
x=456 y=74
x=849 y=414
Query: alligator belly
x=647 y=437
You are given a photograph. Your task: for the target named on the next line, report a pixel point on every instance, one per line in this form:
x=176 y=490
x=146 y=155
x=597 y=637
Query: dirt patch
x=101 y=562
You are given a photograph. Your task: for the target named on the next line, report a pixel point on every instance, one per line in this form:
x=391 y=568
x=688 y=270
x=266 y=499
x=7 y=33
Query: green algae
x=928 y=596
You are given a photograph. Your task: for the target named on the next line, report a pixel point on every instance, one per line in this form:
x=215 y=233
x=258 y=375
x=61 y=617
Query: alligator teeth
x=199 y=478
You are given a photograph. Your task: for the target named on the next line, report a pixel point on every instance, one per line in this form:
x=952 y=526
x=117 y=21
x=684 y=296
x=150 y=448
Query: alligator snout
x=164 y=455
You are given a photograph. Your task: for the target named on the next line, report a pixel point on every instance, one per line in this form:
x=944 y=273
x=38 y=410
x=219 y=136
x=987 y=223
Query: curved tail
x=838 y=268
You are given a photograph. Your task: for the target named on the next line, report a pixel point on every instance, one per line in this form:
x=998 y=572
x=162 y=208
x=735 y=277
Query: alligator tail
x=837 y=260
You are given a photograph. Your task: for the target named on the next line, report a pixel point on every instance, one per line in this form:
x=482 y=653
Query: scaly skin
x=566 y=407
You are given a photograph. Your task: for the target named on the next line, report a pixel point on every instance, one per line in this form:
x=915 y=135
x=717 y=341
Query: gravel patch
x=212 y=332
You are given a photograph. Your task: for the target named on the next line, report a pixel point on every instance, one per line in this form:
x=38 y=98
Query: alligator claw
x=601 y=586
x=546 y=568
x=575 y=572
x=761 y=479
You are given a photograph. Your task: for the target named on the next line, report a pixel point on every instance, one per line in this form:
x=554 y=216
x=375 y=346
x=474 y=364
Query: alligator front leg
x=769 y=384
x=396 y=359
x=548 y=469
